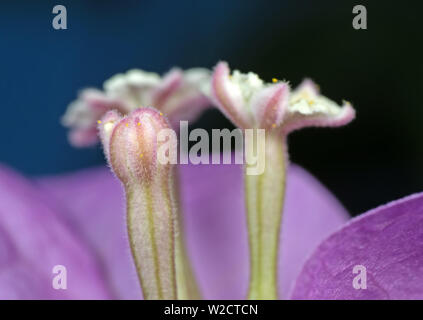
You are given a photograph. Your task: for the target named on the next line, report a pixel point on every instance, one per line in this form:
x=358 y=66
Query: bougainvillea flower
x=186 y=236
x=77 y=220
x=182 y=95
x=274 y=111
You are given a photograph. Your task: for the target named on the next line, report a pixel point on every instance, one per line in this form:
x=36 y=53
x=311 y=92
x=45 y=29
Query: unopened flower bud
x=130 y=145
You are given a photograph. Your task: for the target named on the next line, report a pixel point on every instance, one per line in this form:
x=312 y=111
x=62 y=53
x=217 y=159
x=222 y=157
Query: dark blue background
x=377 y=158
x=42 y=68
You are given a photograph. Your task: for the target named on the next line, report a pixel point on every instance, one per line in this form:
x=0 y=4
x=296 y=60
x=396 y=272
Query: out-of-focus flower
x=181 y=95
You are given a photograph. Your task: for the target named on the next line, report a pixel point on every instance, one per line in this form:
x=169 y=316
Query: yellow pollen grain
x=141 y=155
x=161 y=113
x=98 y=121
x=139 y=123
x=274 y=80
x=274 y=125
x=127 y=125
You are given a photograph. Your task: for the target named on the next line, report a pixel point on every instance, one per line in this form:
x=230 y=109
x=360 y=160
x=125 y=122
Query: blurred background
x=377 y=158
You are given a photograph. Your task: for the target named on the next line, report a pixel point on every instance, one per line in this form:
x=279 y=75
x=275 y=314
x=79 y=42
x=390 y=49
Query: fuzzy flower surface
x=249 y=102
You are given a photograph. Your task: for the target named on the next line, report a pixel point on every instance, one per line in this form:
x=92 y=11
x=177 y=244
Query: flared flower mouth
x=249 y=102
x=307 y=107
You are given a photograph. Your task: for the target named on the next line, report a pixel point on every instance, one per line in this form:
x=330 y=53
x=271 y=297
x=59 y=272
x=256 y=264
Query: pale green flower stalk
x=264 y=195
x=252 y=104
x=130 y=144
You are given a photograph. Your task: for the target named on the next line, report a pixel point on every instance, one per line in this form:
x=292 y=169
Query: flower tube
x=250 y=103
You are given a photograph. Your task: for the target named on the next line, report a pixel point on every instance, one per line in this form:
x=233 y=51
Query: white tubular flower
x=181 y=95
x=250 y=103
